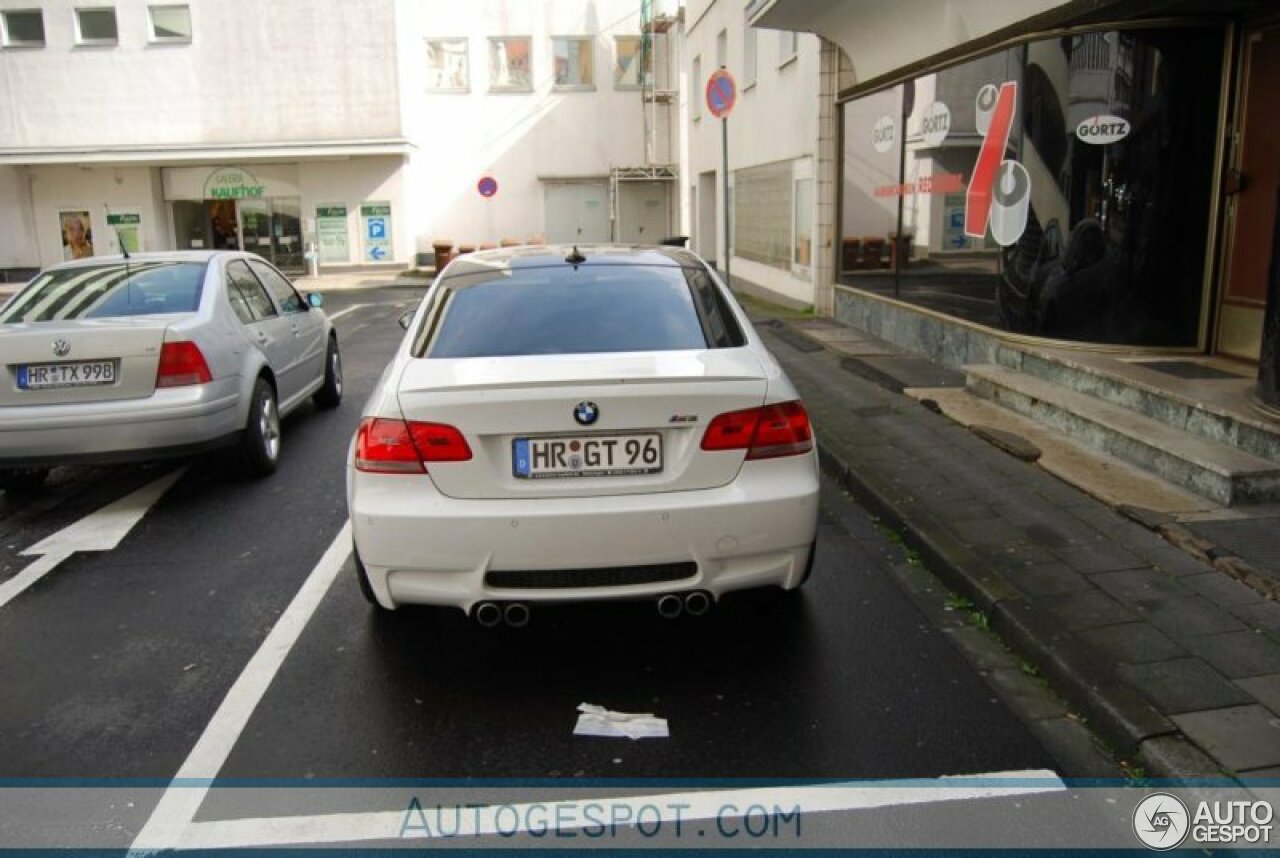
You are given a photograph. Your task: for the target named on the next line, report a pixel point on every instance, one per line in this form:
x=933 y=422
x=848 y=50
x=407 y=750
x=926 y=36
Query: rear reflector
x=765 y=433
x=390 y=446
x=181 y=364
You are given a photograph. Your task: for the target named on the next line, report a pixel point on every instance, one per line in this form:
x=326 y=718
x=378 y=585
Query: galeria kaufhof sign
x=233 y=183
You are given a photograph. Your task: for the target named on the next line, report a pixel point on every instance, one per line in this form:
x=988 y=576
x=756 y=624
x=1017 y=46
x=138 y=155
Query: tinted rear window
x=104 y=291
x=563 y=310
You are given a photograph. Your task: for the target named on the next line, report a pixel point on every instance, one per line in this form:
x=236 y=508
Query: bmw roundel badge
x=586 y=413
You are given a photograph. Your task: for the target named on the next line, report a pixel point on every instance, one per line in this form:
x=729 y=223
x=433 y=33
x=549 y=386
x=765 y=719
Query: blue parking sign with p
x=377 y=227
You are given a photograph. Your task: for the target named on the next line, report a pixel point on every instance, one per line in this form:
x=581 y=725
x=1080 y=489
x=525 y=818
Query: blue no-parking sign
x=722 y=93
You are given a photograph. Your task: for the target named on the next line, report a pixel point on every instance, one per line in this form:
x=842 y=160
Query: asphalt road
x=115 y=662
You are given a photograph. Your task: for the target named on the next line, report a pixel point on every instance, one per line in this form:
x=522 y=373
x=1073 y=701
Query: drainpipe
x=1268 y=387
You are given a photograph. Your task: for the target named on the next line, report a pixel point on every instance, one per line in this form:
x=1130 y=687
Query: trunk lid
x=129 y=346
x=667 y=397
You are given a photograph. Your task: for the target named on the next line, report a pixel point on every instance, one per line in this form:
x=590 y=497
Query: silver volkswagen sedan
x=154 y=355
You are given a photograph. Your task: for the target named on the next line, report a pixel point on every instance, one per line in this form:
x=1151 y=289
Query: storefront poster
x=127 y=227
x=331 y=233
x=77 y=234
x=375 y=221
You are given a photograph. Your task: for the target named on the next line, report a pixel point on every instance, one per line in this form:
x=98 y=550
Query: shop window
x=23 y=28
x=170 y=23
x=1059 y=188
x=633 y=67
x=510 y=65
x=96 y=26
x=447 y=67
x=573 y=59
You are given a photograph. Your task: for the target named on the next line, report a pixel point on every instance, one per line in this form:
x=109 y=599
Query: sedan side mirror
x=315 y=299
x=406 y=319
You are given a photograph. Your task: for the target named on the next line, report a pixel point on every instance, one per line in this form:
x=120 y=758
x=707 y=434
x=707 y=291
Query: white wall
x=17 y=226
x=514 y=137
x=89 y=189
x=776 y=119
x=283 y=70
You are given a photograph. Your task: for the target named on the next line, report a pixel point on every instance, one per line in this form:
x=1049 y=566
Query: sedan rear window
x=564 y=310
x=105 y=291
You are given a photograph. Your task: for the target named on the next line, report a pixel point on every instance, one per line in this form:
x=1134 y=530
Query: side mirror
x=315 y=299
x=406 y=319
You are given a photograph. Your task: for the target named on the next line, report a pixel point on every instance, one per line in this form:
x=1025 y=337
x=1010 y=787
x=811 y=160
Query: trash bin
x=443 y=247
x=313 y=260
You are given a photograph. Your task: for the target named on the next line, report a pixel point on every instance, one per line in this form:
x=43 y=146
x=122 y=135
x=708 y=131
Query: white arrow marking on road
x=99 y=531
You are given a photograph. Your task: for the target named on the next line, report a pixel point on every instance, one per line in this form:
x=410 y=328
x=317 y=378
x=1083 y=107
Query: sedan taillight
x=390 y=446
x=181 y=364
x=769 y=432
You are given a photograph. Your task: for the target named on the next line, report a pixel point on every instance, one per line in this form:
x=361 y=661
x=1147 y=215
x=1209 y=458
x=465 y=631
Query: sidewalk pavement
x=1174 y=664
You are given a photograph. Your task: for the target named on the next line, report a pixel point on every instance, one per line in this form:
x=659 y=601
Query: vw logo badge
x=61 y=348
x=586 y=413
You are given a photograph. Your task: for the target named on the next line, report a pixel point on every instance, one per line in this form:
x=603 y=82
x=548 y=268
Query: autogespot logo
x=1161 y=821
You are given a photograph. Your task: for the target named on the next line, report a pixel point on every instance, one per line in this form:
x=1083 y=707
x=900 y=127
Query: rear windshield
x=104 y=291
x=566 y=310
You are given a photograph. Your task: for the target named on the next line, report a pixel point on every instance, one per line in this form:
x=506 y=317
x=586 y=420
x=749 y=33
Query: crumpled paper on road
x=598 y=721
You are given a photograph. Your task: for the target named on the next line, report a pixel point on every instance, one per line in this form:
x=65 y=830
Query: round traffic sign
x=722 y=93
x=488 y=186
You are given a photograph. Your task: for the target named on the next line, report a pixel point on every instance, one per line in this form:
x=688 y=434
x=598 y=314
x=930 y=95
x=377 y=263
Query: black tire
x=330 y=393
x=18 y=480
x=260 y=444
x=366 y=589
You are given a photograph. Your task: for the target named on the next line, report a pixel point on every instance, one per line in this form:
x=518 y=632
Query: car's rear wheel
x=23 y=479
x=260 y=444
x=330 y=393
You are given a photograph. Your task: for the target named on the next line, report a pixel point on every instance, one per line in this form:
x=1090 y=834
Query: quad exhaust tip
x=487 y=614
x=670 y=606
x=516 y=615
x=697 y=603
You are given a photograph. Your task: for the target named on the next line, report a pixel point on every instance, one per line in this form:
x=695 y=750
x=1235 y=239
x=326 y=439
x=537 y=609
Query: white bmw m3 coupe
x=579 y=424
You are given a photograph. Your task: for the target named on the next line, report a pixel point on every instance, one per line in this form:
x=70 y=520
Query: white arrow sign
x=99 y=531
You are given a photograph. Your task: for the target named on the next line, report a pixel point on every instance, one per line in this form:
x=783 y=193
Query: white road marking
x=675 y=807
x=101 y=530
x=351 y=309
x=180 y=802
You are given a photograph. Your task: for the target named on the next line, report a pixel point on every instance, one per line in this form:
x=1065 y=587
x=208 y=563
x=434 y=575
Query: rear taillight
x=181 y=364
x=389 y=446
x=765 y=433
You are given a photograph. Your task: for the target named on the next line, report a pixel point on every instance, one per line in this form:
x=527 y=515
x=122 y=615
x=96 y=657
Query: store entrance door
x=1251 y=208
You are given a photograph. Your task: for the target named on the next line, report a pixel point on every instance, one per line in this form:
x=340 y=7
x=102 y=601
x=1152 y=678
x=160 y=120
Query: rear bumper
x=169 y=422
x=419 y=547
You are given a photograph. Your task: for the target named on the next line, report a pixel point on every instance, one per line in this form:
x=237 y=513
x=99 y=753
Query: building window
x=96 y=26
x=510 y=66
x=748 y=51
x=722 y=49
x=447 y=69
x=634 y=66
x=574 y=63
x=696 y=85
x=170 y=23
x=23 y=28
x=788 y=46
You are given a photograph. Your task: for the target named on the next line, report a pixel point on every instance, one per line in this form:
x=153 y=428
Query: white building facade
x=362 y=130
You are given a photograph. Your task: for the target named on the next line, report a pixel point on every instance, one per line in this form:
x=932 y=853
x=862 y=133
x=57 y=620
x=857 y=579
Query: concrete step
x=1207 y=409
x=1220 y=472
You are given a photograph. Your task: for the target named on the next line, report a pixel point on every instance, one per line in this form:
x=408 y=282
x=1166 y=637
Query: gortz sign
x=233 y=183
x=1101 y=130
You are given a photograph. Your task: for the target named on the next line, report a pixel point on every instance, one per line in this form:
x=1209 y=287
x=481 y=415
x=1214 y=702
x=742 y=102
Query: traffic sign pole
x=722 y=93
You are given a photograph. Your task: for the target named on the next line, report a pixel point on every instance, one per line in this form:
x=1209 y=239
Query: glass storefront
x=271 y=228
x=1059 y=188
